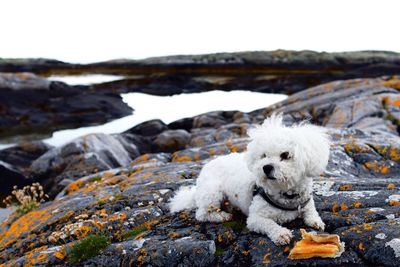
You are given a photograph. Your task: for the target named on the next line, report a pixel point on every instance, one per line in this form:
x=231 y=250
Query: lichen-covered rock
x=358 y=196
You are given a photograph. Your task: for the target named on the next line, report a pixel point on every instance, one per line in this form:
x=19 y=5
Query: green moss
x=234 y=225
x=88 y=247
x=134 y=232
x=218 y=251
x=96 y=178
x=117 y=197
x=28 y=207
x=101 y=202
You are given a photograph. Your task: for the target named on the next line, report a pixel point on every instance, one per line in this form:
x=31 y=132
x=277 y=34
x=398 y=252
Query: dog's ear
x=274 y=121
x=315 y=146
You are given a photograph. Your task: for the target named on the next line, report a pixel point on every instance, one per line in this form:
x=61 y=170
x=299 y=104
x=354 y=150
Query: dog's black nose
x=268 y=170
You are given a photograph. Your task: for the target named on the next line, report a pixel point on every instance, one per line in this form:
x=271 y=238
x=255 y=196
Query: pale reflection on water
x=86 y=79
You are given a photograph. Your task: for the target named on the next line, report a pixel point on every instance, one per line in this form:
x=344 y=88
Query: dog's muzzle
x=268 y=169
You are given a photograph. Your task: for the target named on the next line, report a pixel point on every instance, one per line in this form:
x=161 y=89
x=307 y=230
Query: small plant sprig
x=28 y=198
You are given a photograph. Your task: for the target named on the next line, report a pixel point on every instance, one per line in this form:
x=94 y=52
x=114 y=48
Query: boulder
x=172 y=140
x=9 y=177
x=82 y=156
x=148 y=128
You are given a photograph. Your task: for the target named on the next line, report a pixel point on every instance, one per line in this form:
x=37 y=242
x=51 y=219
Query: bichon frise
x=271 y=182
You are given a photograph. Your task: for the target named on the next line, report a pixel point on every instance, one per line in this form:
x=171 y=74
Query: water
x=86 y=79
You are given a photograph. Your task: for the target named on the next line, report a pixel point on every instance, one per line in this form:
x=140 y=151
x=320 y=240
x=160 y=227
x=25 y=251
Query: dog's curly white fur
x=281 y=160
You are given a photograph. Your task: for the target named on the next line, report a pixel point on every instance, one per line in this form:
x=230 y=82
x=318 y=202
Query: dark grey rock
x=172 y=140
x=148 y=128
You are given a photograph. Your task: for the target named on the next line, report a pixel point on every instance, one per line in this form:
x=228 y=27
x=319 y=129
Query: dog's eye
x=263 y=156
x=285 y=156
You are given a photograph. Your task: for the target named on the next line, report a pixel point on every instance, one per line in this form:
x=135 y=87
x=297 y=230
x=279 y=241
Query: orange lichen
x=390 y=186
x=183 y=215
x=357 y=204
x=83 y=231
x=27 y=223
x=234 y=148
x=394 y=154
x=367 y=226
x=181 y=158
x=353 y=147
x=377 y=167
x=142 y=158
x=345 y=187
x=393 y=83
x=59 y=254
x=361 y=246
x=74 y=186
x=343 y=206
x=173 y=235
x=394 y=202
x=121 y=216
x=335 y=208
x=266 y=258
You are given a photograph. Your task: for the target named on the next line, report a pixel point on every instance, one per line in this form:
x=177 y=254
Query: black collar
x=260 y=191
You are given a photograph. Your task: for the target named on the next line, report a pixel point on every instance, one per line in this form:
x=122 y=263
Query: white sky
x=95 y=30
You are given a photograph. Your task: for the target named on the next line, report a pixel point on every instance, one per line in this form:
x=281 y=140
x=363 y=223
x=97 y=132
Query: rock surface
x=33 y=105
x=358 y=196
x=55 y=105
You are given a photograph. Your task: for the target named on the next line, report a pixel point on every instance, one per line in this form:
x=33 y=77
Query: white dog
x=271 y=182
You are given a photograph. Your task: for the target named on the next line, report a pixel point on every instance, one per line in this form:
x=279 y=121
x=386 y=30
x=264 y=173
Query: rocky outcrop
x=280 y=71
x=358 y=196
x=33 y=105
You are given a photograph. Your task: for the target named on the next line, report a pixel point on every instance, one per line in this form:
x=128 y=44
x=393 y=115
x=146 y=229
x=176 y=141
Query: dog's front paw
x=282 y=237
x=315 y=222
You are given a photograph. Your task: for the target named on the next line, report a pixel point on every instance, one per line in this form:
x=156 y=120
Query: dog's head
x=283 y=156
